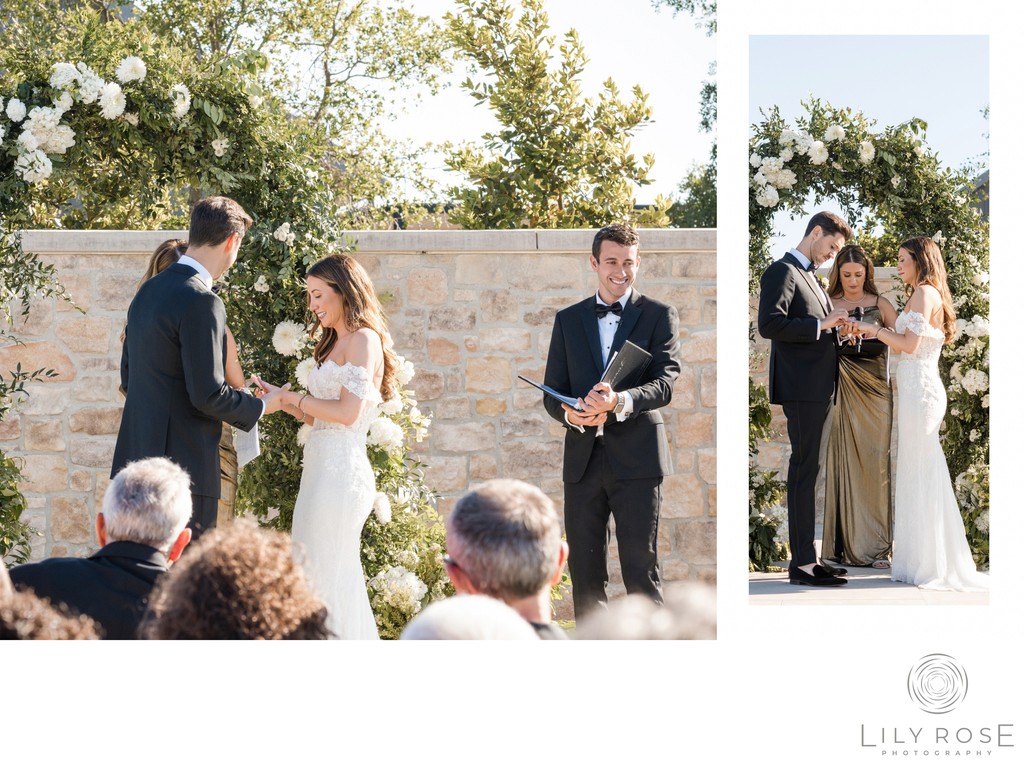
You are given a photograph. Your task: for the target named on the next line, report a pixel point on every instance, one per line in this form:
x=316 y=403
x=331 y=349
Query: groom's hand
x=836 y=318
x=271 y=395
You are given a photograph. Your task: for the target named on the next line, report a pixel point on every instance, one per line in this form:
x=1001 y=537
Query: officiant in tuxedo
x=616 y=452
x=172 y=362
x=796 y=315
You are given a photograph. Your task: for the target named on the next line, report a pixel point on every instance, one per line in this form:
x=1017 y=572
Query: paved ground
x=865 y=587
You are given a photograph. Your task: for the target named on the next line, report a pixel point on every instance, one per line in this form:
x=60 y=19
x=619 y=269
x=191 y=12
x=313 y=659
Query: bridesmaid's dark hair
x=361 y=309
x=931 y=270
x=852 y=254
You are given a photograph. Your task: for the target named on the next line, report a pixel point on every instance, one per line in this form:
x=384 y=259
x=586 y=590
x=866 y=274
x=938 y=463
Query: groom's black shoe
x=819 y=577
x=834 y=571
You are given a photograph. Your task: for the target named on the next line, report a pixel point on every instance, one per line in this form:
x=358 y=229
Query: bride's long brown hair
x=931 y=270
x=361 y=309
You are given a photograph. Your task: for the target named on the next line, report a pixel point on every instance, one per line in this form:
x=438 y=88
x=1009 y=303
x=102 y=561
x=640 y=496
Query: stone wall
x=471 y=309
x=774 y=456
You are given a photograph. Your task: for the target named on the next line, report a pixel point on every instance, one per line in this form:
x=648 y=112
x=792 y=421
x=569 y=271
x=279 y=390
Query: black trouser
x=805 y=424
x=634 y=504
x=204 y=515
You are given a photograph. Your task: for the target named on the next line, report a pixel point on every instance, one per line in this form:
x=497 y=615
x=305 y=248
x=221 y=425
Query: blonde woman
x=930 y=546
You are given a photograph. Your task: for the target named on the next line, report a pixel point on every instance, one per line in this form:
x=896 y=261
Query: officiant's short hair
x=619 y=233
x=830 y=223
x=214 y=219
x=149 y=502
x=508 y=538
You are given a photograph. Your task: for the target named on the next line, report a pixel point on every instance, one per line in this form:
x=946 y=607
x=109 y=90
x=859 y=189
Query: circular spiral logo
x=937 y=683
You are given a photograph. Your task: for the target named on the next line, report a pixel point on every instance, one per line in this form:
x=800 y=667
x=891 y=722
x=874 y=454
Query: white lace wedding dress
x=336 y=496
x=929 y=543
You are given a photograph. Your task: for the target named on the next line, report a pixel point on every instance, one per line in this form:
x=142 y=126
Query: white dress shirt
x=204 y=275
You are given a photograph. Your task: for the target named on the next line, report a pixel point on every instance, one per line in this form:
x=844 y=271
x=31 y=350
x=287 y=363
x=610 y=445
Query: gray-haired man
x=141 y=531
x=504 y=541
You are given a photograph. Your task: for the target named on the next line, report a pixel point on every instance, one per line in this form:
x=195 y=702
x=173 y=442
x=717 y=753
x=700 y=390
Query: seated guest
x=504 y=541
x=468 y=618
x=141 y=531
x=689 y=612
x=26 y=617
x=237 y=582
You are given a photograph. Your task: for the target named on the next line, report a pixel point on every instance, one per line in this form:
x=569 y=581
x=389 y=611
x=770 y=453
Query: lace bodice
x=932 y=338
x=326 y=382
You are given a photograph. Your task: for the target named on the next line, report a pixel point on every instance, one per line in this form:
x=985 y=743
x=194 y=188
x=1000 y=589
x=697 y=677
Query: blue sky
x=941 y=79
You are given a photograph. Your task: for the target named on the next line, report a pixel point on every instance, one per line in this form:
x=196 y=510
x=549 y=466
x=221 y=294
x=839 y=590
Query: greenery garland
x=888 y=181
x=111 y=126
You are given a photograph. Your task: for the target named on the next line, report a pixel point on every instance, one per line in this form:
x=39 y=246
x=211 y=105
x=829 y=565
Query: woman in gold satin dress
x=167 y=253
x=858 y=498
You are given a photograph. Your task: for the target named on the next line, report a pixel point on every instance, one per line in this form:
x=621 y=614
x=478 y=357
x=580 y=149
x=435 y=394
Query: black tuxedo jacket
x=172 y=370
x=802 y=367
x=112 y=586
x=636 y=447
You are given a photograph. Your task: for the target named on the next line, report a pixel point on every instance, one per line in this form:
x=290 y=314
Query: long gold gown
x=858 y=498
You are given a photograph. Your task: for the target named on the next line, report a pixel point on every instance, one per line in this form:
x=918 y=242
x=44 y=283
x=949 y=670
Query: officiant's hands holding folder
x=595 y=406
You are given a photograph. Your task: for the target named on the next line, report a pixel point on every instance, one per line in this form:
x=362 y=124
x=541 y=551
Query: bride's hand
x=262 y=387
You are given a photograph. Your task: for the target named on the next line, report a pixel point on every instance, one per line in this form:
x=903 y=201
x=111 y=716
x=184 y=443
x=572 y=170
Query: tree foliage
x=558 y=159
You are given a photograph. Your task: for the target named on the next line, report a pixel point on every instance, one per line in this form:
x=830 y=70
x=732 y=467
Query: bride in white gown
x=355 y=371
x=930 y=546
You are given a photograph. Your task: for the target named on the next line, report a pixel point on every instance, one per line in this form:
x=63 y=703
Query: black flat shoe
x=820 y=578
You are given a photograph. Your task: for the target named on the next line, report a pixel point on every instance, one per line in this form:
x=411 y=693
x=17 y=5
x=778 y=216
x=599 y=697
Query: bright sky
x=941 y=79
x=627 y=40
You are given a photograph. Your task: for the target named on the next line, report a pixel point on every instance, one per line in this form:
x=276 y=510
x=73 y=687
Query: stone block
x=36 y=322
x=687 y=300
x=483 y=467
x=446 y=474
x=104 y=420
x=682 y=497
x=450 y=408
x=98 y=388
x=559 y=272
x=445 y=506
x=45 y=473
x=108 y=363
x=685 y=459
x=10 y=428
x=40 y=355
x=427 y=287
x=452 y=319
x=707 y=462
x=694 y=265
x=471 y=269
x=709 y=386
x=115 y=291
x=684 y=390
x=409 y=333
x=429 y=384
x=488 y=407
x=695 y=429
x=45 y=436
x=79 y=290
x=94 y=453
x=443 y=352
x=489 y=375
x=102 y=482
x=699 y=347
x=544 y=317
x=525 y=424
x=464 y=437
x=81 y=481
x=695 y=541
x=498 y=306
x=675 y=570
x=70 y=520
x=455 y=380
x=505 y=339
x=530 y=461
x=86 y=334
x=710 y=313
x=713 y=502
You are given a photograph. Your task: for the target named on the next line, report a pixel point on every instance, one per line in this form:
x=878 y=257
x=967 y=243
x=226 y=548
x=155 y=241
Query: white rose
x=27 y=141
x=919 y=150
x=112 y=101
x=759 y=178
x=131 y=68
x=64 y=101
x=896 y=182
x=786 y=154
x=803 y=143
x=386 y=434
x=182 y=99
x=261 y=285
x=817 y=153
x=382 y=508
x=984 y=401
x=788 y=137
x=982 y=522
x=981 y=278
x=302 y=435
x=392 y=406
x=302 y=370
x=220 y=146
x=974 y=434
x=835 y=133
x=755 y=160
x=405 y=372
x=867 y=151
x=34 y=166
x=282 y=232
x=1 y=128
x=938 y=238
x=768 y=197
x=131 y=118
x=288 y=338
x=63 y=76
x=255 y=101
x=785 y=179
x=16 y=110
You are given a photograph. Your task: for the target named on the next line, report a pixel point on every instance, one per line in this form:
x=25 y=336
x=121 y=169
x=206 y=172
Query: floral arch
x=112 y=127
x=890 y=186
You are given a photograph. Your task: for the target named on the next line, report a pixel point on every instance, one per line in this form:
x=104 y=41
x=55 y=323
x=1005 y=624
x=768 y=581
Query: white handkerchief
x=247 y=445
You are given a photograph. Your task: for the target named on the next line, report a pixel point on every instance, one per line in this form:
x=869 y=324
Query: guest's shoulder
x=29 y=574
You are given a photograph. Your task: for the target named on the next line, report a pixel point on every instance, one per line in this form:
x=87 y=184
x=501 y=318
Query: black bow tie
x=603 y=311
x=811 y=268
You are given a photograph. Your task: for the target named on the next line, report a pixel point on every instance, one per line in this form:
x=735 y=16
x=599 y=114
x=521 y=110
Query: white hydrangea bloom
x=835 y=133
x=818 y=153
x=768 y=197
x=2 y=132
x=786 y=154
x=63 y=76
x=49 y=135
x=16 y=110
x=90 y=84
x=984 y=401
x=759 y=178
x=981 y=278
x=64 y=101
x=34 y=166
x=112 y=101
x=182 y=99
x=288 y=338
x=27 y=141
x=382 y=508
x=755 y=160
x=130 y=69
x=283 y=232
x=788 y=137
x=803 y=143
x=386 y=434
x=867 y=151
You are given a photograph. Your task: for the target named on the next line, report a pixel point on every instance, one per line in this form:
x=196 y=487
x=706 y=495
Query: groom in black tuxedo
x=616 y=452
x=172 y=362
x=796 y=315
